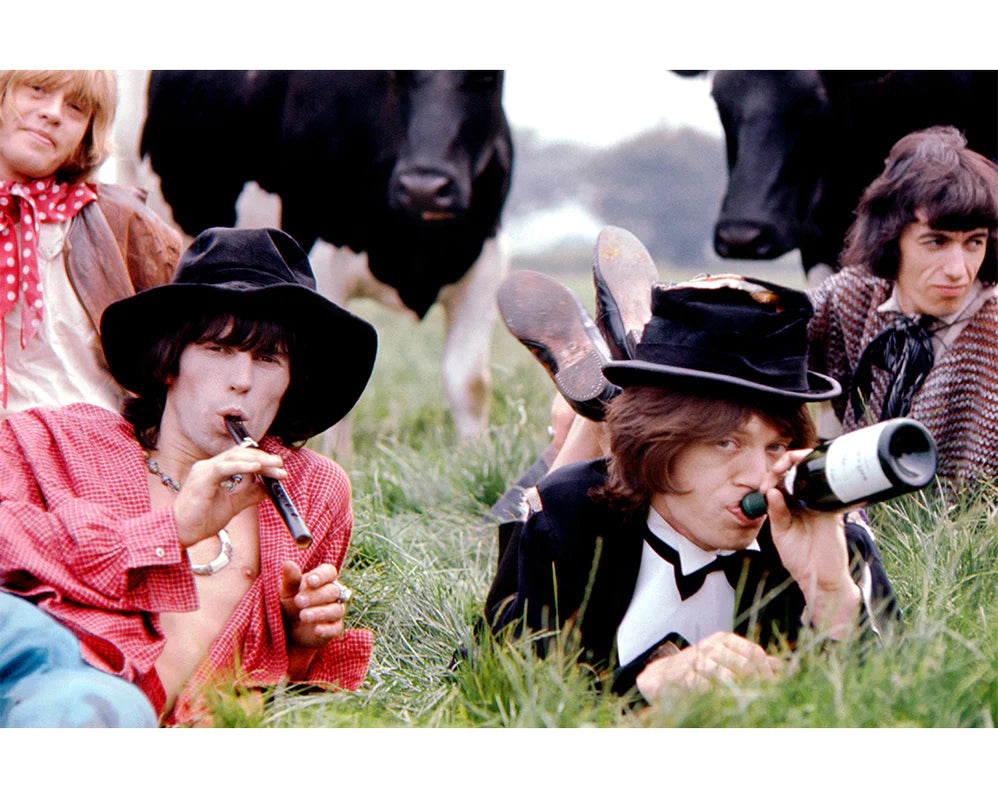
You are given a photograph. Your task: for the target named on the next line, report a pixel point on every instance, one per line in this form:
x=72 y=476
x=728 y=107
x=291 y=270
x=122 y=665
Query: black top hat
x=263 y=274
x=728 y=330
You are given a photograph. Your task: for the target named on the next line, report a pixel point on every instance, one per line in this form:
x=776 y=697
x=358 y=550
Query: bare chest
x=189 y=635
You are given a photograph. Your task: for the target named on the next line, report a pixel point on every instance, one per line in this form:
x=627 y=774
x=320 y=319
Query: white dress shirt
x=656 y=608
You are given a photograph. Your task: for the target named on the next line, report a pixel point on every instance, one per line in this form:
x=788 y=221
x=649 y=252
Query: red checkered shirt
x=78 y=538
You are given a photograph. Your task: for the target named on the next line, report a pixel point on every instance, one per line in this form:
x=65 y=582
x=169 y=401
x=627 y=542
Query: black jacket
x=592 y=556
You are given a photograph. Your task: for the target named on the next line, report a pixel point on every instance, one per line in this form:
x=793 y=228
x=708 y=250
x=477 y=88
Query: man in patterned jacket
x=910 y=325
x=137 y=551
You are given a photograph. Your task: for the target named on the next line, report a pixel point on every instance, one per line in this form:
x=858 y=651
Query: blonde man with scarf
x=68 y=246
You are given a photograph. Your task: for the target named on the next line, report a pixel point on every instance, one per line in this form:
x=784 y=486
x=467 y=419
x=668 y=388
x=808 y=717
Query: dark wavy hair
x=650 y=426
x=934 y=172
x=144 y=411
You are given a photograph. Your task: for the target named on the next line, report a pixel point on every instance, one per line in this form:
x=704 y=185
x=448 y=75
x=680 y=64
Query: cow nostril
x=746 y=240
x=423 y=191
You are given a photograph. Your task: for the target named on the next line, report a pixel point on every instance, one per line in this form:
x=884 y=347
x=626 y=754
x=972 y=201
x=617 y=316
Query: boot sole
x=553 y=324
x=623 y=273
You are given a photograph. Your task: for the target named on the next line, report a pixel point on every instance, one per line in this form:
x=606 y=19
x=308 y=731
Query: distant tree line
x=664 y=185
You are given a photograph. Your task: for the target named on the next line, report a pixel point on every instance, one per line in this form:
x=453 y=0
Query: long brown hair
x=649 y=426
x=931 y=171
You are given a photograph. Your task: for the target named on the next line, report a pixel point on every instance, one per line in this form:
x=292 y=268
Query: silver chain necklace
x=225 y=555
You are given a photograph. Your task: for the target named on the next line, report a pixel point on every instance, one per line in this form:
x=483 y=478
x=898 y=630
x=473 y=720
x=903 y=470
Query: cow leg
x=470 y=308
x=341 y=275
x=335 y=274
x=122 y=166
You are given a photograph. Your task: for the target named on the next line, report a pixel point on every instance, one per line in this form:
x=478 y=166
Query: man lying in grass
x=646 y=554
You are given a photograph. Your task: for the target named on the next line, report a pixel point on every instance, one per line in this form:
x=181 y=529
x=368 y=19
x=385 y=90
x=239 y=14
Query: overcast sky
x=592 y=72
x=601 y=105
x=582 y=71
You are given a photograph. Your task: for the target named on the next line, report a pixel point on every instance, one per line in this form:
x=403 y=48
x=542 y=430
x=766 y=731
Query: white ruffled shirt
x=656 y=608
x=63 y=362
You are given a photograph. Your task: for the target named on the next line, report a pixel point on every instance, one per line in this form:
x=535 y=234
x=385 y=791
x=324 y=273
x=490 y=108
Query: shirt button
x=160 y=553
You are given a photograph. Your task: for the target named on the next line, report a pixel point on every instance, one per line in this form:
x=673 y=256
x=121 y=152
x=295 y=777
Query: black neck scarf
x=904 y=350
x=732 y=564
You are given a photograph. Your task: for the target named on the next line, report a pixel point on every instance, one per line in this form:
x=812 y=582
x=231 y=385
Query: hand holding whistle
x=275 y=490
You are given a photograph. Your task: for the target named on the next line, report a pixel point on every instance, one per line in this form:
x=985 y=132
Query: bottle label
x=788 y=481
x=852 y=466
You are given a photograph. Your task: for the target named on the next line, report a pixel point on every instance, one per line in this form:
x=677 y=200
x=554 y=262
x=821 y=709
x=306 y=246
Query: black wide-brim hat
x=726 y=330
x=255 y=274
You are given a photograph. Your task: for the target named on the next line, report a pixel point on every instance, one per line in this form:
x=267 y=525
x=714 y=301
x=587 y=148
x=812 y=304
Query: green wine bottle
x=861 y=467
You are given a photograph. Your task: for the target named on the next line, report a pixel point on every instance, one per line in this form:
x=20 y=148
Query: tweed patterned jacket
x=958 y=402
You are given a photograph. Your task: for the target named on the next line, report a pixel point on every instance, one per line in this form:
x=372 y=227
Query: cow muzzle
x=429 y=194
x=750 y=241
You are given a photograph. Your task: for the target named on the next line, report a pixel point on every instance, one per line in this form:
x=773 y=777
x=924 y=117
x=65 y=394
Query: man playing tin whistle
x=140 y=557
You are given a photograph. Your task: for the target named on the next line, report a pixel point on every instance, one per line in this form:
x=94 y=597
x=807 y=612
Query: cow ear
x=503 y=153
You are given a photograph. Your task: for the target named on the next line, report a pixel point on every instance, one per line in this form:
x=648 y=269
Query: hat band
x=786 y=373
x=237 y=278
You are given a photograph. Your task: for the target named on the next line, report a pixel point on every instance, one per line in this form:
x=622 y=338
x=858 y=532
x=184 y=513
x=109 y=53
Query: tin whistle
x=275 y=490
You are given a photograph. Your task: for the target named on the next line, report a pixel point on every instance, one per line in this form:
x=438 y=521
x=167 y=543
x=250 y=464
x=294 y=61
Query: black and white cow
x=404 y=174
x=802 y=145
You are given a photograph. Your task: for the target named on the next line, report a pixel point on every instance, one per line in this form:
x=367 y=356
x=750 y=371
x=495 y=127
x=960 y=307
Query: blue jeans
x=45 y=683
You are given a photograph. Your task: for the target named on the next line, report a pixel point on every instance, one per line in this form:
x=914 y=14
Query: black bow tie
x=733 y=566
x=904 y=350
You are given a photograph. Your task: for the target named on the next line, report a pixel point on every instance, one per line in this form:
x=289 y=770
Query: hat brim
x=336 y=356
x=626 y=373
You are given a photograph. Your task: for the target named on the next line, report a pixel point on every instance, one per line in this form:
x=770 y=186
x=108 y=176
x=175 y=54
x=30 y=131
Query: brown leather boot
x=548 y=319
x=623 y=273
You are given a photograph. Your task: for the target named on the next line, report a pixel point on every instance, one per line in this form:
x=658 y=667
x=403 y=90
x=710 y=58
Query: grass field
x=423 y=556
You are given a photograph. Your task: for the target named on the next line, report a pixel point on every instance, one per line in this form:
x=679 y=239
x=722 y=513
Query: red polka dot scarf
x=39 y=201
